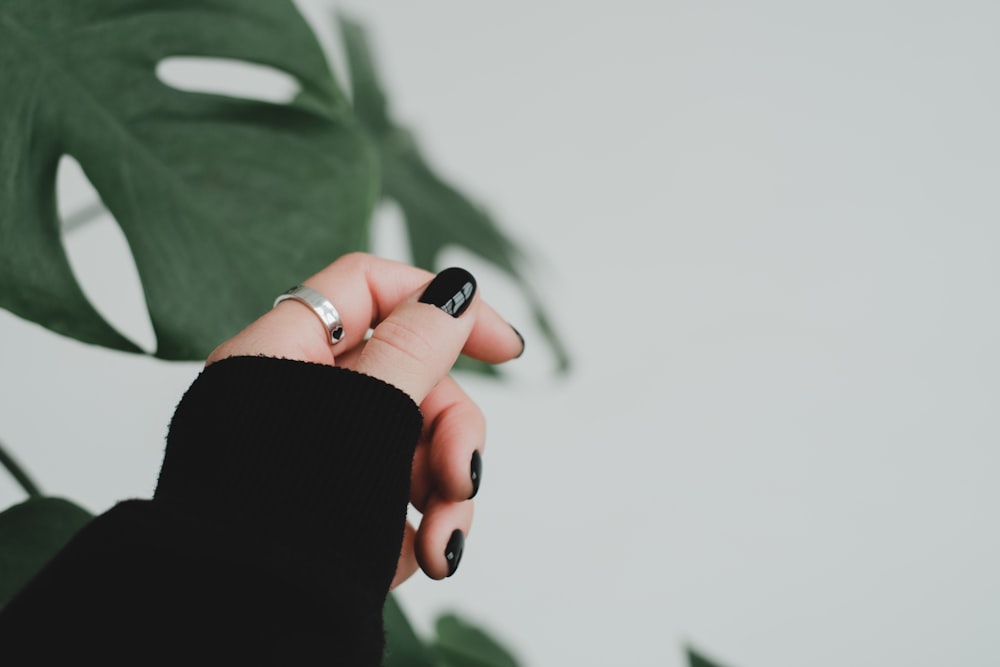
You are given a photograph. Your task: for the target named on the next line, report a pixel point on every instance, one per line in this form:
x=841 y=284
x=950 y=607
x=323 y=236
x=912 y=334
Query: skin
x=413 y=347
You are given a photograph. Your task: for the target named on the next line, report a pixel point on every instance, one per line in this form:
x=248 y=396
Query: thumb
x=417 y=344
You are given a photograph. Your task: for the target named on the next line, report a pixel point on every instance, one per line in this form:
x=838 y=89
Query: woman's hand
x=412 y=347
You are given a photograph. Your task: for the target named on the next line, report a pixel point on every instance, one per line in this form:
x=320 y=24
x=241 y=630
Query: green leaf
x=437 y=215
x=224 y=202
x=460 y=644
x=403 y=648
x=696 y=659
x=30 y=535
x=471 y=365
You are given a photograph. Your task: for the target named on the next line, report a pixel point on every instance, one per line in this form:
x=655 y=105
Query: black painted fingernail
x=453 y=552
x=522 y=340
x=451 y=291
x=476 y=472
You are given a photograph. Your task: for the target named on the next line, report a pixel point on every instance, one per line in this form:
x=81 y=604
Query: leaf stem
x=18 y=473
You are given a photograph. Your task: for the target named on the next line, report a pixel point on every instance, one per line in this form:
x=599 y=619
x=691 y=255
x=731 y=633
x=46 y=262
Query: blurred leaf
x=457 y=644
x=30 y=535
x=460 y=644
x=403 y=648
x=471 y=365
x=696 y=659
x=436 y=214
x=224 y=202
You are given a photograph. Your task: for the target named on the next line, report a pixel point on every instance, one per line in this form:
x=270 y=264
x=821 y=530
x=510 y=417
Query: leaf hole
x=100 y=257
x=232 y=78
x=388 y=236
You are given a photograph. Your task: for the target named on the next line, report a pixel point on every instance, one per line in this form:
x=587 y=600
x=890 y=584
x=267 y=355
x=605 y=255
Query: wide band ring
x=320 y=305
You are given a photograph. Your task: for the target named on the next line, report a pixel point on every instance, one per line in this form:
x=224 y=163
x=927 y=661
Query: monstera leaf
x=463 y=645
x=30 y=534
x=403 y=647
x=437 y=215
x=224 y=202
x=456 y=644
x=696 y=659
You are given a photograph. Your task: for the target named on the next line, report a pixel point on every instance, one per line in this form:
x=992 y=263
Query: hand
x=413 y=347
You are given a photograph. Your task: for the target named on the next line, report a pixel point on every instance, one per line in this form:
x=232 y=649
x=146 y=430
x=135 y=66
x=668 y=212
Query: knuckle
x=354 y=260
x=477 y=419
x=403 y=339
x=470 y=418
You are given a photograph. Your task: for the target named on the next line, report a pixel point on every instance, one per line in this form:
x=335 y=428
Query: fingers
x=448 y=461
x=440 y=541
x=446 y=471
x=289 y=331
x=447 y=464
x=365 y=289
x=421 y=323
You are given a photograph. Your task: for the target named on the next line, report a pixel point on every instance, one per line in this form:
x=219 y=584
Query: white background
x=768 y=232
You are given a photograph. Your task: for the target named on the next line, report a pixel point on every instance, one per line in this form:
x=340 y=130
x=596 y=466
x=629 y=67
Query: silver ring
x=320 y=305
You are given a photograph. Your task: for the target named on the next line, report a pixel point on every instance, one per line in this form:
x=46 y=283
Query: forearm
x=273 y=534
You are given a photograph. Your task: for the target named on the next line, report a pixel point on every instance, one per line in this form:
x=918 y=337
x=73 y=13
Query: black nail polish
x=453 y=552
x=522 y=340
x=476 y=472
x=451 y=291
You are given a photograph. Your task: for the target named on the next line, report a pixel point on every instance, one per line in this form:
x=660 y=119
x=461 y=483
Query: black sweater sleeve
x=272 y=537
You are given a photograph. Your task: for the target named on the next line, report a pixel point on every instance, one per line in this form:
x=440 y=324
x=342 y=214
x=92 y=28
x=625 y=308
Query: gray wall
x=768 y=231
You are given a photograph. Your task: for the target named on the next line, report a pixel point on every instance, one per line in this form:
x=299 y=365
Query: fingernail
x=451 y=291
x=476 y=472
x=453 y=552
x=522 y=340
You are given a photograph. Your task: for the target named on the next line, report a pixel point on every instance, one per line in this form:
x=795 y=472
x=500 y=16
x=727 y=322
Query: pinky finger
x=441 y=537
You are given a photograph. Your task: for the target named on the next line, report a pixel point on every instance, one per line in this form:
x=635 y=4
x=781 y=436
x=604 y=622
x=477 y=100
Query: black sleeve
x=272 y=537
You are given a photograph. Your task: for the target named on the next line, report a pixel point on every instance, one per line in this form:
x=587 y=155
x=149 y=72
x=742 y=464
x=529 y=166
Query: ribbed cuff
x=312 y=460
